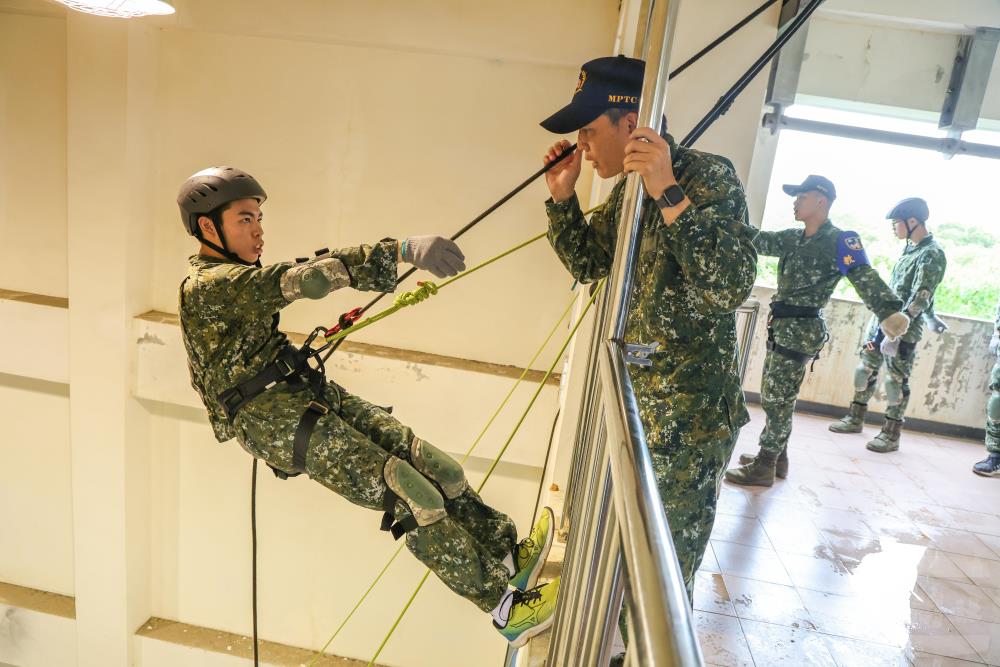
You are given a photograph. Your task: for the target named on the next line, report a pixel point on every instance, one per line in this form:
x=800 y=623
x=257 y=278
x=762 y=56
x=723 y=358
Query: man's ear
x=632 y=118
x=207 y=227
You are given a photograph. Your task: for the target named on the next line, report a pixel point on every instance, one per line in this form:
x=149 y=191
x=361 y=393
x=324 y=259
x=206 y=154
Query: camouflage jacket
x=808 y=272
x=229 y=319
x=915 y=278
x=690 y=279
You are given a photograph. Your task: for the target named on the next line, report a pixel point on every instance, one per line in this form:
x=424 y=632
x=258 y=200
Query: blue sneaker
x=531 y=552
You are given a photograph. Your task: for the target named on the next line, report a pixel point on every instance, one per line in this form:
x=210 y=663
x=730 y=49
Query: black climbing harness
x=290 y=367
x=781 y=310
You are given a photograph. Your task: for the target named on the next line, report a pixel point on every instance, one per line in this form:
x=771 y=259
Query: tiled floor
x=857 y=559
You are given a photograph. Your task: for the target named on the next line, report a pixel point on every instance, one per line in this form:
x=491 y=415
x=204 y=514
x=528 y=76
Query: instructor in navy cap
x=696 y=266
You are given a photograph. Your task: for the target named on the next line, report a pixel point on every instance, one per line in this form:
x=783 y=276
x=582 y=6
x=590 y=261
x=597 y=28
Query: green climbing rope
x=426 y=289
x=472 y=447
x=496 y=460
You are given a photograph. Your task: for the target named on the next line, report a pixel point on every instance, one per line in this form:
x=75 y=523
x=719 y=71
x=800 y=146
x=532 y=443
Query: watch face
x=673 y=195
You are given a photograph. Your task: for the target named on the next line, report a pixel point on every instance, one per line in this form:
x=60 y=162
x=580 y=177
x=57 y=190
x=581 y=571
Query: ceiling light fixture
x=122 y=9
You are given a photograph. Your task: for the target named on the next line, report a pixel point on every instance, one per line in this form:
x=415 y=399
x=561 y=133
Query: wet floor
x=857 y=559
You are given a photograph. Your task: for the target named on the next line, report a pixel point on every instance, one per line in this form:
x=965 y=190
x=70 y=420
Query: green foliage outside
x=971 y=285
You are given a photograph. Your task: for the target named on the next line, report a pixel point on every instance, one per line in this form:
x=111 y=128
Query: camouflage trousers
x=348 y=451
x=689 y=480
x=898 y=369
x=689 y=457
x=993 y=425
x=779 y=388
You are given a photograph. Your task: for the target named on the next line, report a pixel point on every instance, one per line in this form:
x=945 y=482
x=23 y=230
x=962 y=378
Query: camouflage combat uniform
x=691 y=278
x=808 y=271
x=993 y=424
x=229 y=318
x=914 y=279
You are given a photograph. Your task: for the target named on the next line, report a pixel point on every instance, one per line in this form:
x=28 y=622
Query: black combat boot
x=853 y=421
x=888 y=439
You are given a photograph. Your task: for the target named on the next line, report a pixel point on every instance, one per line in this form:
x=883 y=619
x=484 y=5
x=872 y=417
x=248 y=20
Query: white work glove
x=895 y=325
x=995 y=344
x=935 y=324
x=436 y=254
x=889 y=346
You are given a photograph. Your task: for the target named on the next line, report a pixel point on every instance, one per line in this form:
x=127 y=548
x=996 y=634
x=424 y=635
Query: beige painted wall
x=33 y=153
x=36 y=545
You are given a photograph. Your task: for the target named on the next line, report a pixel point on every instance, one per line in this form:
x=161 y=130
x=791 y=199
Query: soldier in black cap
x=696 y=266
x=812 y=261
x=914 y=278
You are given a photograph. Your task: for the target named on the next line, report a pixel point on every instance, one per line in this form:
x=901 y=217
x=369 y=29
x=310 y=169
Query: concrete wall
x=949 y=380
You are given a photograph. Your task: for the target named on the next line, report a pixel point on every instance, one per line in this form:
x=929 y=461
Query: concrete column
x=111 y=68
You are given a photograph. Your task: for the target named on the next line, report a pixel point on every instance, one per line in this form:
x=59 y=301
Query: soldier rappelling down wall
x=990 y=466
x=261 y=390
x=811 y=263
x=914 y=279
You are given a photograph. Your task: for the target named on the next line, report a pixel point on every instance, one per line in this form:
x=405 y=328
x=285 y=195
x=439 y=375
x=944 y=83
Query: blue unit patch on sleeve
x=850 y=253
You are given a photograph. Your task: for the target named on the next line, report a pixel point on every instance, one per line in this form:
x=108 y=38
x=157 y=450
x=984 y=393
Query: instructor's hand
x=648 y=155
x=436 y=254
x=562 y=178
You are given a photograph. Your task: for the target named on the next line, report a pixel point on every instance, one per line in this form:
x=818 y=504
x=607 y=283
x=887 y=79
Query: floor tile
x=778 y=645
x=934 y=633
x=734 y=502
x=711 y=594
x=722 y=640
x=940 y=565
x=767 y=602
x=992 y=541
x=919 y=599
x=982 y=571
x=709 y=563
x=855 y=653
x=741 y=530
x=928 y=660
x=882 y=622
x=826 y=574
x=750 y=563
x=968 y=600
x=984 y=637
x=957 y=542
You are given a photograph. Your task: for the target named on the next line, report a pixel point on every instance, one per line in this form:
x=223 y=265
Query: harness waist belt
x=782 y=310
x=292 y=367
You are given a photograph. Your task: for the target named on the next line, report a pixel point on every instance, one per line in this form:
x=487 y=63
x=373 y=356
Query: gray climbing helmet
x=912 y=207
x=210 y=188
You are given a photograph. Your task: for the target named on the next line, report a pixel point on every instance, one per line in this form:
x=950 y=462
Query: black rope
x=722 y=106
x=253 y=540
x=569 y=151
x=479 y=218
x=723 y=37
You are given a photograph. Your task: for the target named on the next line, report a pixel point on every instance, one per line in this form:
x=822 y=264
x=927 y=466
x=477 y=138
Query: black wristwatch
x=671 y=197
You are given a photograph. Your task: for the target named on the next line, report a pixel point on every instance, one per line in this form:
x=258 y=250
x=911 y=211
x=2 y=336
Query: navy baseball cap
x=822 y=185
x=604 y=83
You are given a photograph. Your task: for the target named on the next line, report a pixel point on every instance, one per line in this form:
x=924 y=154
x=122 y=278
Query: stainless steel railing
x=619 y=545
